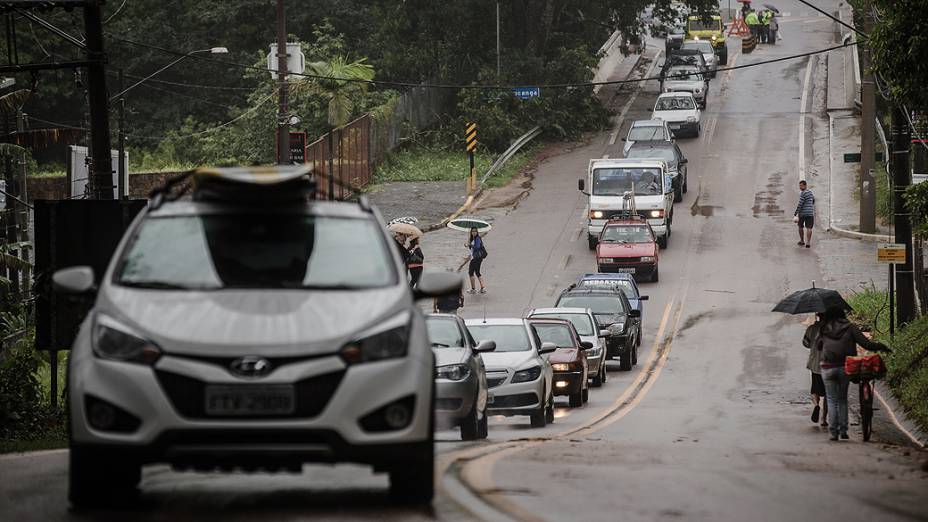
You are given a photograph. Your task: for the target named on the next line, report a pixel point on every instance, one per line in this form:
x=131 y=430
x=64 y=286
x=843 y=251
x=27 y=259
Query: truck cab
x=608 y=180
x=709 y=28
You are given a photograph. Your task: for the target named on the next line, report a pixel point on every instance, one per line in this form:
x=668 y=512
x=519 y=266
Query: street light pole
x=283 y=89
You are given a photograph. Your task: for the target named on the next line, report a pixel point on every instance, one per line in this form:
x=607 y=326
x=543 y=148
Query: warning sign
x=892 y=253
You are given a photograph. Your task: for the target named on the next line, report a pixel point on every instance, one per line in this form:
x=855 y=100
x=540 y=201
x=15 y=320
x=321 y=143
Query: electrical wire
x=852 y=28
x=489 y=87
x=118 y=9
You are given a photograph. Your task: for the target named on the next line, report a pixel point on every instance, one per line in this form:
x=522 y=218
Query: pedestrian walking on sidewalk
x=773 y=26
x=414 y=261
x=478 y=253
x=814 y=364
x=837 y=340
x=805 y=214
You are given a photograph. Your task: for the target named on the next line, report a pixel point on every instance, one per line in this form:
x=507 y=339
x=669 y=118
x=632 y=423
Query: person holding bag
x=838 y=339
x=414 y=262
x=478 y=253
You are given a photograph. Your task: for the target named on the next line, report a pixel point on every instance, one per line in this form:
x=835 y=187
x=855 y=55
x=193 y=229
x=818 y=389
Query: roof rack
x=274 y=184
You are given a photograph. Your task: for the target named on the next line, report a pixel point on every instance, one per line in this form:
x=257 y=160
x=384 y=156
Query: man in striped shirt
x=805 y=211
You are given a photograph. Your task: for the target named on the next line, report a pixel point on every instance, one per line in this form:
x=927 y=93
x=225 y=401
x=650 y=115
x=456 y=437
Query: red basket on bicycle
x=864 y=367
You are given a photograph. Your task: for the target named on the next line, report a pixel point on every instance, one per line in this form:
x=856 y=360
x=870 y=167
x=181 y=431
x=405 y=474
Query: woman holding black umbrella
x=837 y=340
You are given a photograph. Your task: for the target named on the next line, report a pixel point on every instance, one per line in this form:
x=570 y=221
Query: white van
x=610 y=179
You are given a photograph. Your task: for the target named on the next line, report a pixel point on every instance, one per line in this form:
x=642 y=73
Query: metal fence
x=345 y=154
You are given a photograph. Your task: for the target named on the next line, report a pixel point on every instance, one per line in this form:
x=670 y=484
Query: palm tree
x=332 y=78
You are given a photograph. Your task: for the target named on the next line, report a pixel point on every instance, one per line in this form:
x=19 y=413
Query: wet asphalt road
x=716 y=429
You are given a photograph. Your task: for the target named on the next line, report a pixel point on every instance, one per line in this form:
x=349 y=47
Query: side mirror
x=437 y=284
x=547 y=348
x=604 y=333
x=586 y=345
x=485 y=346
x=634 y=313
x=684 y=161
x=642 y=298
x=581 y=184
x=74 y=280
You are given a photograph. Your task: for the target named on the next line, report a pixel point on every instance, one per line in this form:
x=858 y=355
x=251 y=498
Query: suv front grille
x=187 y=395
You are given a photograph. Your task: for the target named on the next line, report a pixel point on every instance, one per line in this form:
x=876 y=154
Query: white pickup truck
x=607 y=182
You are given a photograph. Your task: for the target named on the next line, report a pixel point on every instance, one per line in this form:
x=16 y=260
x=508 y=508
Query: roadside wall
x=140 y=185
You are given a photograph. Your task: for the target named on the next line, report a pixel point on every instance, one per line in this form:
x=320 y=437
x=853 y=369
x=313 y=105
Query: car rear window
x=626 y=286
x=675 y=103
x=626 y=234
x=212 y=252
x=581 y=322
x=558 y=334
x=508 y=338
x=444 y=332
x=647 y=133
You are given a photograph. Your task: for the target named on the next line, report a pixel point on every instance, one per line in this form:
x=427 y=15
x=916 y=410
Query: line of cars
x=516 y=366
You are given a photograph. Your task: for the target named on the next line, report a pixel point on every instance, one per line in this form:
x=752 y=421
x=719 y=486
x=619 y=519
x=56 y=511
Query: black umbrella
x=811 y=300
x=772 y=8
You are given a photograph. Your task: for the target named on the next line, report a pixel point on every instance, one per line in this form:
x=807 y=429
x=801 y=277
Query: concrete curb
x=885 y=395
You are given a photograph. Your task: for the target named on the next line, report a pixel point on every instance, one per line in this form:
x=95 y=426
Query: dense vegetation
x=177 y=116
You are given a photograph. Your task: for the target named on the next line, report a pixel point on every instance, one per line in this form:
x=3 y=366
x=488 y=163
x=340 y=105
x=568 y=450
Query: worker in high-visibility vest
x=753 y=23
x=765 y=26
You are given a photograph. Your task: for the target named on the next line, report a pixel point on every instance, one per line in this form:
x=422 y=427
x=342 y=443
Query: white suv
x=248 y=327
x=680 y=111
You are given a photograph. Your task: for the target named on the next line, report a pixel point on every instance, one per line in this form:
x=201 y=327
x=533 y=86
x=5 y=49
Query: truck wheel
x=625 y=359
x=413 y=482
x=591 y=242
x=96 y=479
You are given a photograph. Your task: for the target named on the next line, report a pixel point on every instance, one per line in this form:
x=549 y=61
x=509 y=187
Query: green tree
x=898 y=44
x=335 y=86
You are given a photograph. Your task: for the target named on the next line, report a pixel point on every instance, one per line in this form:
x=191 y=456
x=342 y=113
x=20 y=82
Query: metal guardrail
x=510 y=152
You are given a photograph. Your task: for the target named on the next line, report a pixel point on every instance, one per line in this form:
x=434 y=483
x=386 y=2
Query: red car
x=571 y=370
x=628 y=245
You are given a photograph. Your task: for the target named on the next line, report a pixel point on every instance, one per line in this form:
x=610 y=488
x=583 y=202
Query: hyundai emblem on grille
x=250 y=366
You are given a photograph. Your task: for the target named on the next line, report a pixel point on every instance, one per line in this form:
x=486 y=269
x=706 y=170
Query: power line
x=491 y=87
x=118 y=9
x=852 y=28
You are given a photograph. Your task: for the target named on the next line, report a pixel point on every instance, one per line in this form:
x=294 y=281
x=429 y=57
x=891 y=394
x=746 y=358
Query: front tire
x=678 y=193
x=635 y=354
x=586 y=395
x=591 y=242
x=655 y=277
x=597 y=380
x=470 y=426
x=549 y=411
x=96 y=479
x=539 y=419
x=662 y=241
x=576 y=399
x=414 y=481
x=625 y=359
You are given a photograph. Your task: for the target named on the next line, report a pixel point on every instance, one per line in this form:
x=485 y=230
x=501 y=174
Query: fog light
x=397 y=416
x=560 y=384
x=102 y=416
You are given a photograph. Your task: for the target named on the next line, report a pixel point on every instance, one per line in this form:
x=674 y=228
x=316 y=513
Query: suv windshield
x=581 y=322
x=646 y=133
x=508 y=337
x=211 y=252
x=558 y=334
x=618 y=181
x=626 y=234
x=443 y=332
x=675 y=103
x=600 y=304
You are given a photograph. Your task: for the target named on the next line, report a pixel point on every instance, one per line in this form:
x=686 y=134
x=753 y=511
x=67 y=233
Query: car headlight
x=607 y=260
x=616 y=328
x=527 y=375
x=695 y=38
x=691 y=119
x=111 y=340
x=387 y=344
x=647 y=259
x=656 y=213
x=452 y=372
x=596 y=214
x=714 y=38
x=594 y=351
x=560 y=367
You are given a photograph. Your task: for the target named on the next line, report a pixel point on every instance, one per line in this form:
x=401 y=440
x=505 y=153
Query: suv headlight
x=616 y=328
x=452 y=372
x=527 y=375
x=387 y=344
x=112 y=340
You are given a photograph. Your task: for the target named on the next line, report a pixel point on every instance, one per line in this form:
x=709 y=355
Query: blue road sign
x=524 y=93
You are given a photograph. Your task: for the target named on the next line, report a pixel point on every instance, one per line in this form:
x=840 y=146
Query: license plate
x=674 y=126
x=249 y=400
x=626 y=269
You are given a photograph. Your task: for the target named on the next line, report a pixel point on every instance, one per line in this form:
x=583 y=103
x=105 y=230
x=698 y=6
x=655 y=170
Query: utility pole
x=100 y=182
x=121 y=146
x=283 y=89
x=905 y=288
x=867 y=188
x=498 y=68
